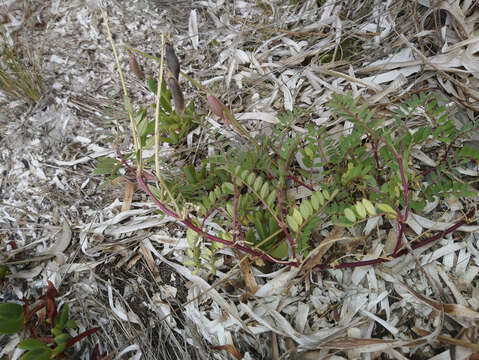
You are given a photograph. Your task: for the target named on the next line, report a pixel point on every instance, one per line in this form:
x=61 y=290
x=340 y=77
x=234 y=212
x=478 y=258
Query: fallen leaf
x=448 y=340
x=230 y=349
x=62 y=241
x=128 y=196
x=215 y=106
x=149 y=260
x=248 y=276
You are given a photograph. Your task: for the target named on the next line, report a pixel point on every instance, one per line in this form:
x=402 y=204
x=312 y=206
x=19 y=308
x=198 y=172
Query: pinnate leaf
x=11 y=318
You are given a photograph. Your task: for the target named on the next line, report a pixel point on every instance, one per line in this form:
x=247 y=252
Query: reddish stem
x=51 y=311
x=132 y=169
x=188 y=223
x=45 y=339
x=235 y=209
x=402 y=218
x=29 y=314
x=403 y=251
x=84 y=334
x=299 y=182
x=443 y=159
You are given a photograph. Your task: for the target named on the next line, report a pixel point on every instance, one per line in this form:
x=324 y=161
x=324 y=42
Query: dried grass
x=21 y=75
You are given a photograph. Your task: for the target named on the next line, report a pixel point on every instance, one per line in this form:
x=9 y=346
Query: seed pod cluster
x=172 y=78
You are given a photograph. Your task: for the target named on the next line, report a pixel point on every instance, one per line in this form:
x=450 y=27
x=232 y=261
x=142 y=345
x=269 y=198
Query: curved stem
x=188 y=223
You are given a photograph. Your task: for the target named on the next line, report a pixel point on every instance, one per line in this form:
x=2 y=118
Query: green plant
x=49 y=337
x=174 y=126
x=385 y=172
x=368 y=173
x=3 y=271
x=249 y=190
x=171 y=123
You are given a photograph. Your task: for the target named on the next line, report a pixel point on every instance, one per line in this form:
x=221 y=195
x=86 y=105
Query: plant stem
x=126 y=98
x=235 y=209
x=157 y=129
x=84 y=334
x=188 y=223
x=405 y=250
x=402 y=218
